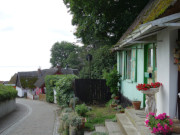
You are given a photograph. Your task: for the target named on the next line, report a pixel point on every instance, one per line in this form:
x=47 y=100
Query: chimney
x=39 y=72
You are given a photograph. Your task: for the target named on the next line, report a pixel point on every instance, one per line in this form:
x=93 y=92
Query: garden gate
x=92 y=90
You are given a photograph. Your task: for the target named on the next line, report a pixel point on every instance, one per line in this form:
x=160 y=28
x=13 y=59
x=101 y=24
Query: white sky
x=28 y=29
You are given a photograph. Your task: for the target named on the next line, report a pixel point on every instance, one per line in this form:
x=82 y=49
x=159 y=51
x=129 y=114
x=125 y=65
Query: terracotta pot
x=136 y=105
x=83 y=123
x=113 y=105
x=116 y=97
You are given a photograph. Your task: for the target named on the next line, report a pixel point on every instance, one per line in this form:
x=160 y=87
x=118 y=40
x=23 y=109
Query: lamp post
x=89 y=59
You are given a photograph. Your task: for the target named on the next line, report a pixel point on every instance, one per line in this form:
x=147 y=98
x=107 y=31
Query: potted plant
x=149 y=88
x=122 y=110
x=114 y=103
x=136 y=104
x=160 y=124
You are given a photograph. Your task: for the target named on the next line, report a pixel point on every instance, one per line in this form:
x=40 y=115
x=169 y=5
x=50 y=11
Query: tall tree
x=101 y=22
x=62 y=53
x=102 y=59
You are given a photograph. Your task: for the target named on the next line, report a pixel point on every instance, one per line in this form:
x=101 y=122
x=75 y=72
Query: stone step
x=113 y=128
x=126 y=124
x=176 y=128
x=88 y=133
x=101 y=129
x=137 y=117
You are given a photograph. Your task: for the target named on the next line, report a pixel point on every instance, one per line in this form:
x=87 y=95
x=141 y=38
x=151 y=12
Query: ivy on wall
x=28 y=82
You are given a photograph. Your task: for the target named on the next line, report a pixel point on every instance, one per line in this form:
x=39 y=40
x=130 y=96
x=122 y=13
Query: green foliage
x=103 y=59
x=98 y=115
x=69 y=119
x=65 y=53
x=103 y=21
x=64 y=89
x=112 y=80
x=28 y=82
x=81 y=109
x=109 y=103
x=50 y=81
x=7 y=93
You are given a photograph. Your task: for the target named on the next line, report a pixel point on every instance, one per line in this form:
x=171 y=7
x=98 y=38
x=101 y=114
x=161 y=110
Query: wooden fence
x=92 y=90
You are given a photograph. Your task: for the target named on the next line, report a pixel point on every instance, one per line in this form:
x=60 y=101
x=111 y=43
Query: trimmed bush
x=7 y=93
x=50 y=81
x=81 y=109
x=64 y=89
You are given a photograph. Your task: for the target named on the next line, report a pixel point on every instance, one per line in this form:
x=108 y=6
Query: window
x=120 y=60
x=128 y=64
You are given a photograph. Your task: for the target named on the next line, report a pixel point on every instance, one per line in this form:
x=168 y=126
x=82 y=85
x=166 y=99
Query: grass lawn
x=98 y=115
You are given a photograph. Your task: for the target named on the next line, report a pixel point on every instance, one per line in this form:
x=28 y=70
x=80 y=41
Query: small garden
x=7 y=93
x=75 y=116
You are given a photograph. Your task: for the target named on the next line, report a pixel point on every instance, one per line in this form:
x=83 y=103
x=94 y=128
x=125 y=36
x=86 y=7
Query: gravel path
x=33 y=118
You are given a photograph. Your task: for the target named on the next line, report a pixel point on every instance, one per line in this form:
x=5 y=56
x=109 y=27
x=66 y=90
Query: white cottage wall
x=173 y=75
x=166 y=73
x=20 y=91
x=163 y=71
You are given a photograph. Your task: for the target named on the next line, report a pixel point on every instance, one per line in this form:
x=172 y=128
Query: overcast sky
x=28 y=29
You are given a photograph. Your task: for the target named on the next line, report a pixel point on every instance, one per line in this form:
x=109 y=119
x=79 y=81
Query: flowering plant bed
x=144 y=87
x=159 y=124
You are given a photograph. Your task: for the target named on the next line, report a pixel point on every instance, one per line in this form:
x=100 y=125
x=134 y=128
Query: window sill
x=129 y=81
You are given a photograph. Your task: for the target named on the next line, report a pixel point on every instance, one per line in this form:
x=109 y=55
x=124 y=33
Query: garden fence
x=92 y=90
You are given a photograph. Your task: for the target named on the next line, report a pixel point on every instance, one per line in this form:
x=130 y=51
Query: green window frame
x=132 y=76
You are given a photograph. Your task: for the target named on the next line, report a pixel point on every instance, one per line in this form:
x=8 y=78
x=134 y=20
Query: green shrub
x=50 y=81
x=64 y=89
x=112 y=80
x=7 y=93
x=81 y=109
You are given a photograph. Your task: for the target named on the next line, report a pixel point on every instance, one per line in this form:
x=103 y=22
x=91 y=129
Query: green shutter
x=118 y=62
x=123 y=64
x=133 y=65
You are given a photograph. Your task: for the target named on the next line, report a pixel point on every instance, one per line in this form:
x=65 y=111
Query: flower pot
x=121 y=111
x=113 y=105
x=83 y=123
x=116 y=97
x=151 y=91
x=136 y=105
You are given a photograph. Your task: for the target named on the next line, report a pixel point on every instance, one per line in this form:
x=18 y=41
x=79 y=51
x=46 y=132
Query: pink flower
x=159 y=124
x=151 y=114
x=147 y=122
x=170 y=122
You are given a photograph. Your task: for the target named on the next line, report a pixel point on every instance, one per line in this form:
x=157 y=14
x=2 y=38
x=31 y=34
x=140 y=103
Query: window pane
x=120 y=63
x=150 y=57
x=128 y=65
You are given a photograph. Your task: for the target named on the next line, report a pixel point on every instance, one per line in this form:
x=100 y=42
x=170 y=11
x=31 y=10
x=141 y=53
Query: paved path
x=30 y=118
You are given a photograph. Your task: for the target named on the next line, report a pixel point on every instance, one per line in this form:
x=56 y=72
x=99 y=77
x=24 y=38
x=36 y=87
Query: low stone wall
x=7 y=107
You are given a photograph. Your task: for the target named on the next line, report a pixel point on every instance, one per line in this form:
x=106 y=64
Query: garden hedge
x=61 y=83
x=64 y=89
x=7 y=93
x=50 y=81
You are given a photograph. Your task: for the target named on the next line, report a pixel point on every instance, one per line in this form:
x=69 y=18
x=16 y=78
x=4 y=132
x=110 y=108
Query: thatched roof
x=13 y=79
x=154 y=9
x=26 y=79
